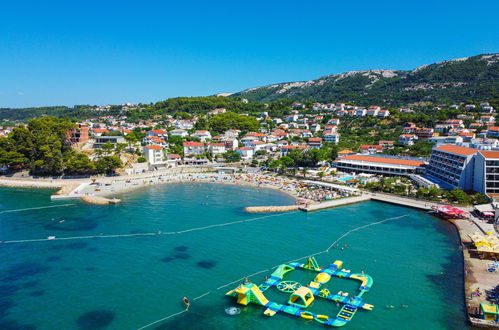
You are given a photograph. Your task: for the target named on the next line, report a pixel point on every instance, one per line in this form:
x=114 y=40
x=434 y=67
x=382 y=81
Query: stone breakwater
x=262 y=209
x=99 y=200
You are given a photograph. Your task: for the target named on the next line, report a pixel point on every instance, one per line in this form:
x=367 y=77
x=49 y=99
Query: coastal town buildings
x=78 y=134
x=452 y=166
x=379 y=165
x=154 y=155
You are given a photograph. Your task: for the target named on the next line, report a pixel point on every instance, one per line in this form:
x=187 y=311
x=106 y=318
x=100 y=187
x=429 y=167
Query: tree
x=321 y=175
x=304 y=172
x=231 y=156
x=459 y=196
x=230 y=120
x=286 y=161
x=108 y=164
x=77 y=163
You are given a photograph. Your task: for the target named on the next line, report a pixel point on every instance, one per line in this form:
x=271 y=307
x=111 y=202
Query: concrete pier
x=335 y=203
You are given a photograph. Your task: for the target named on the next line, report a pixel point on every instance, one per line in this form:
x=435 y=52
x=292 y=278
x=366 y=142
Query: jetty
x=335 y=203
x=99 y=200
x=264 y=209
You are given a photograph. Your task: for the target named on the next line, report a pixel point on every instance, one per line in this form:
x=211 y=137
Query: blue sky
x=111 y=52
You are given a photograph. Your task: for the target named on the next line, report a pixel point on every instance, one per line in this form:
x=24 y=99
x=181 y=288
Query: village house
x=192 y=148
x=315 y=142
x=386 y=144
x=487 y=119
x=407 y=139
x=231 y=143
x=202 y=135
x=370 y=149
x=245 y=152
x=154 y=155
x=173 y=159
x=331 y=137
x=158 y=133
x=179 y=132
x=216 y=111
x=216 y=148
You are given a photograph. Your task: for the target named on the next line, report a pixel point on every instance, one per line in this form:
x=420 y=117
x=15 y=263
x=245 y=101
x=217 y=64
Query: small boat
x=186 y=303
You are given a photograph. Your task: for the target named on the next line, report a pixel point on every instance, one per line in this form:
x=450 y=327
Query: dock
x=335 y=203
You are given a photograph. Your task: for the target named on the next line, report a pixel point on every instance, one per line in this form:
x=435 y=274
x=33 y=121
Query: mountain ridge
x=467 y=78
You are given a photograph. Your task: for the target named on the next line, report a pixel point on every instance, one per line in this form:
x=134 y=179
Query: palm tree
x=321 y=175
x=304 y=172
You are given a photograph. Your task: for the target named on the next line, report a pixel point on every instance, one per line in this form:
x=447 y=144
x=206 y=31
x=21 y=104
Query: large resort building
x=452 y=166
x=465 y=168
x=486 y=173
x=379 y=165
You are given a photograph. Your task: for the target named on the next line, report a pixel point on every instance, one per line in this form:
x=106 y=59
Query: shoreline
x=474 y=273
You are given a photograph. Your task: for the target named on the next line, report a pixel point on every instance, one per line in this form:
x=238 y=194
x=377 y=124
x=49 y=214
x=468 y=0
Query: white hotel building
x=466 y=168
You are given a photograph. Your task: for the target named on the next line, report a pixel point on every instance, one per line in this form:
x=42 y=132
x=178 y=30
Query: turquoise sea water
x=125 y=283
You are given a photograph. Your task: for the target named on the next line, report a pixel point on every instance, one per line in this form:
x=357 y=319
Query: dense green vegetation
x=76 y=113
x=449 y=82
x=184 y=107
x=230 y=120
x=403 y=186
x=42 y=148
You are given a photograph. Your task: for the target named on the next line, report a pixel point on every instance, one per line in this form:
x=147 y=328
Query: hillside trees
x=42 y=148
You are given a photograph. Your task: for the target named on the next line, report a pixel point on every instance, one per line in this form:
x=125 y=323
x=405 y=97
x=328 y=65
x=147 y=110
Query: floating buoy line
x=270 y=268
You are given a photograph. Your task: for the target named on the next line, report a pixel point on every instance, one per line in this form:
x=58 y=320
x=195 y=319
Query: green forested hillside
x=471 y=79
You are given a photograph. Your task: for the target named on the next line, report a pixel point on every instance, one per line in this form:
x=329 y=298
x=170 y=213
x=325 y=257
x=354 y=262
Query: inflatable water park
x=301 y=296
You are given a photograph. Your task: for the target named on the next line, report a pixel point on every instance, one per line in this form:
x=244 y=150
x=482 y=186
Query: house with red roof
x=407 y=139
x=192 y=148
x=493 y=131
x=315 y=142
x=154 y=155
x=203 y=135
x=158 y=133
x=487 y=119
x=386 y=144
x=370 y=149
x=216 y=148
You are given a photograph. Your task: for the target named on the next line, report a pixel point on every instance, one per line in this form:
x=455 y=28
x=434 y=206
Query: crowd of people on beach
x=305 y=193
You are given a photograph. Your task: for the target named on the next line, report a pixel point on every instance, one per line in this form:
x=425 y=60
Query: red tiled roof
x=367 y=146
x=463 y=151
x=154 y=147
x=159 y=131
x=193 y=144
x=490 y=154
x=383 y=160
